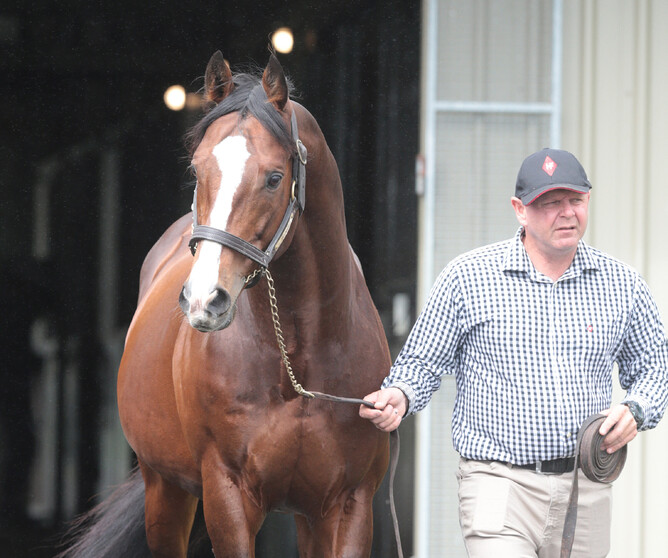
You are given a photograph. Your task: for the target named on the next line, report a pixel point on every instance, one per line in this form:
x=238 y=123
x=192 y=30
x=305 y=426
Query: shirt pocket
x=593 y=339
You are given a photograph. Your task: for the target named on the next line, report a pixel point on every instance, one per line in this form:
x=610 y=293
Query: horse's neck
x=320 y=260
x=316 y=275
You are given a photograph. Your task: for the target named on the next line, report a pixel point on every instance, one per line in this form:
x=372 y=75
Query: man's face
x=556 y=221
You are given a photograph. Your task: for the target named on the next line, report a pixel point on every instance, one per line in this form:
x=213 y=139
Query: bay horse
x=208 y=399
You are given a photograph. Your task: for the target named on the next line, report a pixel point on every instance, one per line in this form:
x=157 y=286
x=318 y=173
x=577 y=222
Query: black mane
x=248 y=98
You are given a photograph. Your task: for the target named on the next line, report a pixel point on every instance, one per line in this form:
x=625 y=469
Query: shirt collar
x=517 y=258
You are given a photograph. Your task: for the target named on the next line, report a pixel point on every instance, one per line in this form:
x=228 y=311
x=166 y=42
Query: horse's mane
x=248 y=98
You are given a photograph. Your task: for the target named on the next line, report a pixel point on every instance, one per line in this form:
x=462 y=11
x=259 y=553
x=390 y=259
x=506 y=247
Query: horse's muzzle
x=214 y=314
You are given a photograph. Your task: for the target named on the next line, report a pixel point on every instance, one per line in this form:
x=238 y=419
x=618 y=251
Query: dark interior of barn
x=94 y=169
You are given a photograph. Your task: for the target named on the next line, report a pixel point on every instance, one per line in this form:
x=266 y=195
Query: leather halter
x=297 y=204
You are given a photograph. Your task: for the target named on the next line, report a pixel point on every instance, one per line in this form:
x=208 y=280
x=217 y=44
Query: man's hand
x=390 y=406
x=619 y=428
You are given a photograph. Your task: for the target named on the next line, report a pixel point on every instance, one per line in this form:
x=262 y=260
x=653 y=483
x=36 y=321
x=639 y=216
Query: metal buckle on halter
x=254 y=278
x=299 y=166
x=301 y=151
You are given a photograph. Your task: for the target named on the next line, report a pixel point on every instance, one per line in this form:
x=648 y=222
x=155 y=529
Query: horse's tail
x=113 y=528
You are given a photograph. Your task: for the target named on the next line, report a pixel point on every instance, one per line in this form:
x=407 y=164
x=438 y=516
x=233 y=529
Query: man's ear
x=520 y=210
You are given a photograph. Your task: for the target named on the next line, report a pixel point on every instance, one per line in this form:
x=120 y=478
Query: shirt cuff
x=408 y=392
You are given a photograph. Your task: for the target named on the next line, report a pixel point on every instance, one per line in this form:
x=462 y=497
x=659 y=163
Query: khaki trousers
x=506 y=512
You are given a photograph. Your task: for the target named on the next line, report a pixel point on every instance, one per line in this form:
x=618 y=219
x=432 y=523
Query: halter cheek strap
x=297 y=204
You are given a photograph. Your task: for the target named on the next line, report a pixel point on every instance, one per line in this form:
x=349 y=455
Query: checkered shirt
x=533 y=358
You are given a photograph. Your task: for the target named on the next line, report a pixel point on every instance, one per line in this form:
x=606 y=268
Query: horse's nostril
x=220 y=303
x=183 y=301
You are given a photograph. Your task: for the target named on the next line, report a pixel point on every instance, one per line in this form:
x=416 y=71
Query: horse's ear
x=274 y=83
x=218 y=82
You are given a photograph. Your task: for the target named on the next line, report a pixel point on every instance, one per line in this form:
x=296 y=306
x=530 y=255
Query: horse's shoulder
x=172 y=245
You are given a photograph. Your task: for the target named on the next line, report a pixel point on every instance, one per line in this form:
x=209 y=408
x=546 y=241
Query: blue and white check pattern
x=533 y=358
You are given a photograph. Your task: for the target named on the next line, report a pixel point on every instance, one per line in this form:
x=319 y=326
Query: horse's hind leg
x=170 y=512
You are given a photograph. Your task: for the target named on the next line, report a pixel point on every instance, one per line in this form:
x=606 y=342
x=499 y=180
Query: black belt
x=553 y=466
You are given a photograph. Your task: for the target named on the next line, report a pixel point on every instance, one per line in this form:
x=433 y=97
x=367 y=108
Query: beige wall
x=615 y=117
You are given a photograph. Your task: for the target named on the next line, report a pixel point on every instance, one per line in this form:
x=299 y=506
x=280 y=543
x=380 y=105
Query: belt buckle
x=554 y=467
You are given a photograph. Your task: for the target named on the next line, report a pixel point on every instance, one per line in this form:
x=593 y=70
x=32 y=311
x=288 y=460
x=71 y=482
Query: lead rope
x=597 y=465
x=280 y=340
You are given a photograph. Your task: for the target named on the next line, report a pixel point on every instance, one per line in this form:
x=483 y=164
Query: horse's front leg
x=232 y=518
x=170 y=512
x=346 y=531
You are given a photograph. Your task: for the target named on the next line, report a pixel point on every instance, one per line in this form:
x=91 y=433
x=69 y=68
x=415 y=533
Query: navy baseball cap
x=550 y=169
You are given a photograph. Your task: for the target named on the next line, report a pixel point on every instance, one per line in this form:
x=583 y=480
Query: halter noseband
x=297 y=203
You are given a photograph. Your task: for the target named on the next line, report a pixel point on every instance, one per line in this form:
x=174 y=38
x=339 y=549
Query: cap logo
x=549 y=166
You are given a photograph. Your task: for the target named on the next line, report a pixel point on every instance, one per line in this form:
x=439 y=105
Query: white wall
x=615 y=78
x=614 y=103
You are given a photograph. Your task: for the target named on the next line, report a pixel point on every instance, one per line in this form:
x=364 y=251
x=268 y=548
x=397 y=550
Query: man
x=531 y=328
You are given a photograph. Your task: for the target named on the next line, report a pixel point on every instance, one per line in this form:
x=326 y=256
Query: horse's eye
x=274 y=180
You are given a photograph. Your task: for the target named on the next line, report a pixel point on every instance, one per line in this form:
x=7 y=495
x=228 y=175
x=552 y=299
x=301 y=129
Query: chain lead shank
x=280 y=339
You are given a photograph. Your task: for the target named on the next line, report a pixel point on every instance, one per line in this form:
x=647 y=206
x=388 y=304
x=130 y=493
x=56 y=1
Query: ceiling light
x=283 y=40
x=175 y=97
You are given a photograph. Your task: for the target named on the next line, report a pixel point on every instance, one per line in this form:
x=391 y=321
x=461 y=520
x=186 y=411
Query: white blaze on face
x=231 y=155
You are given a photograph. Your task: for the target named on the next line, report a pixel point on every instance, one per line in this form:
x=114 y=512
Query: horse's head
x=245 y=153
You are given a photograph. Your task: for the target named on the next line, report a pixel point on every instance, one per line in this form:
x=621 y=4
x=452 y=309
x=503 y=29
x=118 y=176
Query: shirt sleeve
x=431 y=348
x=643 y=359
